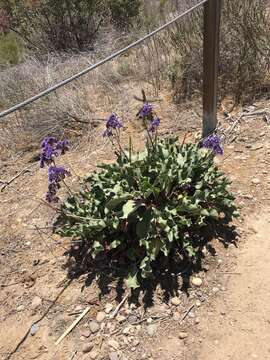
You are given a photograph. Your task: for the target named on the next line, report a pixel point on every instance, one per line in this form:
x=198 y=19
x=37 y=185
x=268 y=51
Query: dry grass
x=172 y=58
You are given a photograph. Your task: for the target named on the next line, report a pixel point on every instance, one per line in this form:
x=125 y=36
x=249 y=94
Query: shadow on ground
x=169 y=274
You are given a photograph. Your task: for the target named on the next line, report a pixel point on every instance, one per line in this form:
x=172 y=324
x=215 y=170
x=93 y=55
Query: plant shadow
x=170 y=275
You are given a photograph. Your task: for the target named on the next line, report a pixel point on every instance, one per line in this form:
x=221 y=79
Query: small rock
x=126 y=330
x=198 y=303
x=149 y=320
x=176 y=316
x=93 y=355
x=151 y=330
x=87 y=348
x=28 y=243
x=94 y=327
x=206 y=267
x=196 y=281
x=113 y=356
x=20 y=308
x=100 y=316
x=197 y=321
x=85 y=333
x=114 y=344
x=34 y=329
x=108 y=308
x=256 y=181
x=175 y=301
x=215 y=290
x=36 y=302
x=132 y=306
x=183 y=335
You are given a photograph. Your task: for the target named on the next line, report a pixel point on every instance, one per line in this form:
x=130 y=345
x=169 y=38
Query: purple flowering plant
x=147 y=205
x=213 y=143
x=51 y=148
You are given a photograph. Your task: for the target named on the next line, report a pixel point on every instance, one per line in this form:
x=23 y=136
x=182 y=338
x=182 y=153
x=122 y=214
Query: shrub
x=124 y=12
x=55 y=25
x=10 y=50
x=64 y=24
x=244 y=51
x=150 y=204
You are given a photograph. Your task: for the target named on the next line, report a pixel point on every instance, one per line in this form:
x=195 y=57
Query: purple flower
x=50 y=140
x=114 y=122
x=62 y=146
x=154 y=125
x=213 y=142
x=52 y=191
x=57 y=174
x=47 y=154
x=146 y=110
x=52 y=147
x=107 y=133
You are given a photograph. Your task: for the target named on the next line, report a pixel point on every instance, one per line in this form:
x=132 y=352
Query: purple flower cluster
x=56 y=175
x=146 y=111
x=213 y=142
x=154 y=125
x=112 y=123
x=51 y=148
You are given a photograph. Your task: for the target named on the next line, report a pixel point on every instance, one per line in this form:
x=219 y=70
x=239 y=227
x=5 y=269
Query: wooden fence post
x=212 y=15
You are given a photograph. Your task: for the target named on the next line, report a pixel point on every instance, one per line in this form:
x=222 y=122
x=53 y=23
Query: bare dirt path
x=240 y=325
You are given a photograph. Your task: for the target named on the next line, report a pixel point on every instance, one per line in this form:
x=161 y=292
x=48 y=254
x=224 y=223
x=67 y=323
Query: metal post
x=212 y=15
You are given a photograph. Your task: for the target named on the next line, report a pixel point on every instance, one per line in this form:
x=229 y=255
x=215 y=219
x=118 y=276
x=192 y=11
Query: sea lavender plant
x=154 y=125
x=113 y=124
x=146 y=111
x=52 y=148
x=213 y=142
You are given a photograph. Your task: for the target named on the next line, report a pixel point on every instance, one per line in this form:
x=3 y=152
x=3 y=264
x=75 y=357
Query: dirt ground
x=227 y=317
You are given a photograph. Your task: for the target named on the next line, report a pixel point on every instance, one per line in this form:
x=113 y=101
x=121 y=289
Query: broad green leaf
x=129 y=208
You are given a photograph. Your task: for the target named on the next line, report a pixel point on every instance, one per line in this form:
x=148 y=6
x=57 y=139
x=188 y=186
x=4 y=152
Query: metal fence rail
x=212 y=9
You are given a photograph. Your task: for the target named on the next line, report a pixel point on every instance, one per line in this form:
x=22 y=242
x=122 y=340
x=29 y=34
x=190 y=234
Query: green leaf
x=115 y=202
x=214 y=214
x=144 y=224
x=129 y=208
x=97 y=248
x=132 y=280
